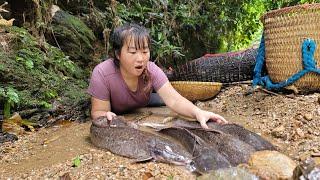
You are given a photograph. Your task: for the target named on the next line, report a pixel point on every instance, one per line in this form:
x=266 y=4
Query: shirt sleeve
x=158 y=77
x=98 y=86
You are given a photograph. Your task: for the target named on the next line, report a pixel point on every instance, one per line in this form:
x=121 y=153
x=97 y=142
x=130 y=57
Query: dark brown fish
x=234 y=130
x=235 y=150
x=205 y=158
x=121 y=139
x=247 y=136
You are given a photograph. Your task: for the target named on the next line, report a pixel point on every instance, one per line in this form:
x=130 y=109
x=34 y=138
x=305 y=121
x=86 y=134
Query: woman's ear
x=117 y=54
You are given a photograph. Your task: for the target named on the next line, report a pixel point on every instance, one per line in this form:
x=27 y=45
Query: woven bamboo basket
x=285 y=30
x=194 y=90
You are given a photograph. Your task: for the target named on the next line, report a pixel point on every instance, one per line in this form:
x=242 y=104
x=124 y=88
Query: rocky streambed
x=290 y=122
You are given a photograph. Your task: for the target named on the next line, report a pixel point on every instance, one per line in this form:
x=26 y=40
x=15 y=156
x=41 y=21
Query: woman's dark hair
x=140 y=35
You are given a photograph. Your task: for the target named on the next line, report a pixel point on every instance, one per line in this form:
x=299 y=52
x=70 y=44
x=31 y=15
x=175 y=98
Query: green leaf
x=45 y=104
x=50 y=94
x=29 y=64
x=76 y=162
x=1 y=67
x=6 y=110
x=171 y=177
x=19 y=58
x=12 y=95
x=2 y=92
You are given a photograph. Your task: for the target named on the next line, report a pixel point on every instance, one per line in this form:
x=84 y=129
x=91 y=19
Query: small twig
x=1 y=7
x=236 y=83
x=270 y=92
x=267 y=91
x=54 y=37
x=315 y=154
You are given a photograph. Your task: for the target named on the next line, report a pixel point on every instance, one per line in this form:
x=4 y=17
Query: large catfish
x=234 y=130
x=205 y=158
x=120 y=138
x=235 y=150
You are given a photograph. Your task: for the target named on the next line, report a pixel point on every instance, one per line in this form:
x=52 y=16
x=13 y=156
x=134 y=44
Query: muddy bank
x=50 y=152
x=290 y=122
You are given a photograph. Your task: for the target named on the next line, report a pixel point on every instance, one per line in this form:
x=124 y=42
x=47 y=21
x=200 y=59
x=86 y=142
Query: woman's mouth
x=138 y=67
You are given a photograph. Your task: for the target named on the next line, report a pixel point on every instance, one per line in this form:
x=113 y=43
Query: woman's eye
x=132 y=52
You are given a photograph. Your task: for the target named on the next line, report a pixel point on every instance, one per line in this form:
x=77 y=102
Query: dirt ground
x=290 y=122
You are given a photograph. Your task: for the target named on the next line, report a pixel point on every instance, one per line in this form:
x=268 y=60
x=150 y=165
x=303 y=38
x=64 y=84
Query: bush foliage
x=183 y=30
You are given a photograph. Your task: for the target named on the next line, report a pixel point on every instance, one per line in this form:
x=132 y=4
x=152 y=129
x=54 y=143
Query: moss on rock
x=72 y=36
x=40 y=74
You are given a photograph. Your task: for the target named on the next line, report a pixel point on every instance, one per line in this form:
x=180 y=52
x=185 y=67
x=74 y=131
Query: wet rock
x=65 y=176
x=71 y=33
x=300 y=132
x=304 y=155
x=271 y=165
x=6 y=137
x=308 y=116
x=308 y=169
x=278 y=132
x=146 y=176
x=234 y=173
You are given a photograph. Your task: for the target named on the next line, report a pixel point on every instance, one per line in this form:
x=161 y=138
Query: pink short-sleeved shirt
x=107 y=84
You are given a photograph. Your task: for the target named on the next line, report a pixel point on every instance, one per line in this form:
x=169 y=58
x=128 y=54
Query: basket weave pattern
x=284 y=32
x=193 y=90
x=224 y=68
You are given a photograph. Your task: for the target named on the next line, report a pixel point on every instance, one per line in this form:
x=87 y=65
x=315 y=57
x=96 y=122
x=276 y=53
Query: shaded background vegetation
x=48 y=59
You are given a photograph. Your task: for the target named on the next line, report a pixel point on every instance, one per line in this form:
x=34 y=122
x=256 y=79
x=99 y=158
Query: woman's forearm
x=176 y=102
x=184 y=107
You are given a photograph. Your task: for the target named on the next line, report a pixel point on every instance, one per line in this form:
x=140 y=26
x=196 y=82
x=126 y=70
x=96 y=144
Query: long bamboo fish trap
x=225 y=67
x=284 y=31
x=194 y=90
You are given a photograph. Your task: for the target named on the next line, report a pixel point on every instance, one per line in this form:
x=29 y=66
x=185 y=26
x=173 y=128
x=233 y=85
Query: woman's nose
x=140 y=56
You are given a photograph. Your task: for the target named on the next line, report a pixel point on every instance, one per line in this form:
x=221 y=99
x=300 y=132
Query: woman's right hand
x=104 y=120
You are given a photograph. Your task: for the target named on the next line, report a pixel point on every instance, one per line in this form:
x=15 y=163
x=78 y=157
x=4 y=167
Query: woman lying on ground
x=126 y=81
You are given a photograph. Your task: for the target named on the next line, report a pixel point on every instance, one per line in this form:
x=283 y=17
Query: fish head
x=165 y=152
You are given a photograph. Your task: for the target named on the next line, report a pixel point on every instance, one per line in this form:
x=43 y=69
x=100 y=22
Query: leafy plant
x=76 y=162
x=39 y=73
x=183 y=30
x=1 y=67
x=171 y=177
x=10 y=97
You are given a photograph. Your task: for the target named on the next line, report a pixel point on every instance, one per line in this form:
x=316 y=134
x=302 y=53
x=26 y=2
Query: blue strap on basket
x=308 y=62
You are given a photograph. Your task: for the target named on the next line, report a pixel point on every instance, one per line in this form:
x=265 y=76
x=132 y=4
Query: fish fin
x=197 y=139
x=141 y=160
x=212 y=130
x=155 y=126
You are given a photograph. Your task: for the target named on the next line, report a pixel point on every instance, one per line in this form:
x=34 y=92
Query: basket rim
x=290 y=9
x=196 y=83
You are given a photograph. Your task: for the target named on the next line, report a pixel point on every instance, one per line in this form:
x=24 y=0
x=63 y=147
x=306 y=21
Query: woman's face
x=133 y=60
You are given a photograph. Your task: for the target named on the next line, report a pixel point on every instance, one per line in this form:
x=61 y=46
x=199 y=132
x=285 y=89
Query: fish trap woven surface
x=225 y=67
x=284 y=31
x=197 y=90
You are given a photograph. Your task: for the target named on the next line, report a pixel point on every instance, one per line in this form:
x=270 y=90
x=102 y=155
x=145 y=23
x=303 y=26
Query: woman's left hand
x=203 y=116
